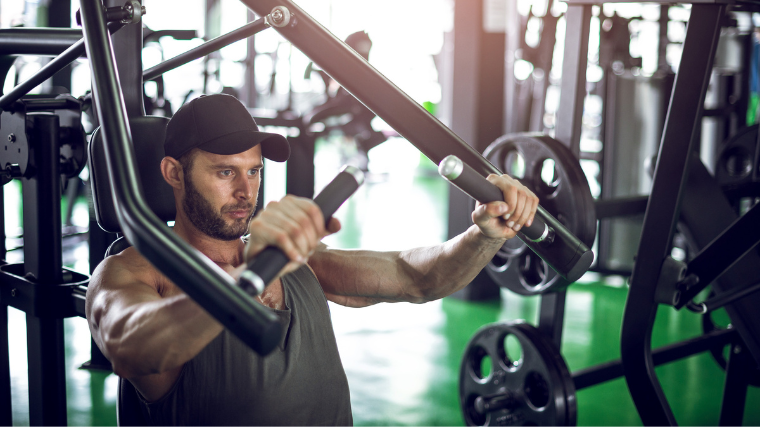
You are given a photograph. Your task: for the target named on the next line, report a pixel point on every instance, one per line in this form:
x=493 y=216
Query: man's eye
x=226 y=172
x=253 y=172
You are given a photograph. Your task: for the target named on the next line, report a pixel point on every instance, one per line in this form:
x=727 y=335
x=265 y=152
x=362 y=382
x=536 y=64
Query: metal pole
x=6 y=412
x=205 y=49
x=662 y=212
x=52 y=67
x=127 y=46
x=43 y=265
x=37 y=41
x=49 y=70
x=573 y=86
x=59 y=16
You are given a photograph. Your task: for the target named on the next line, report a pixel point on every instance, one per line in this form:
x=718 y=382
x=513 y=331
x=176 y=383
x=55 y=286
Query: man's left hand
x=502 y=220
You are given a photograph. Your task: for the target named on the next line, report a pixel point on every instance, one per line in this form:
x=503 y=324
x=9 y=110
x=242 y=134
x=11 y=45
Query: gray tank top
x=300 y=383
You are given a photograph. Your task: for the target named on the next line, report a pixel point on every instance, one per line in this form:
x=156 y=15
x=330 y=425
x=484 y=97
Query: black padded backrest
x=148 y=134
x=117 y=246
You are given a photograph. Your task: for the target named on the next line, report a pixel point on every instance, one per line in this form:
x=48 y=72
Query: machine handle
x=564 y=252
x=264 y=268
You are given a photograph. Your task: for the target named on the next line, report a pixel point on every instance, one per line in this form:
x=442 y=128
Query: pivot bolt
x=11 y=138
x=13 y=292
x=279 y=17
x=133 y=12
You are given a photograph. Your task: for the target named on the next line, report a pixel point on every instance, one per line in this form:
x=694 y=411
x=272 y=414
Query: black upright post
x=681 y=126
x=2 y=222
x=514 y=114
x=6 y=418
x=43 y=265
x=474 y=86
x=735 y=389
x=59 y=16
x=573 y=86
x=249 y=96
x=568 y=132
x=127 y=49
x=6 y=412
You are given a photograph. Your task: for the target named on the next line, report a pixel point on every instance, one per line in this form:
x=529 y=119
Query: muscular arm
x=361 y=278
x=145 y=326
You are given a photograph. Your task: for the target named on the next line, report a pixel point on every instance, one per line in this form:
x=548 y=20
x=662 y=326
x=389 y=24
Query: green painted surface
x=402 y=360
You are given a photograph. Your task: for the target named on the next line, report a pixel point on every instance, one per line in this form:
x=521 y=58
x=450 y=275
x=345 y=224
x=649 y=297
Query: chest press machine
x=48 y=293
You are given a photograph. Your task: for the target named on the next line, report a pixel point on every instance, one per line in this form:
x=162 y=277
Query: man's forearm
x=449 y=267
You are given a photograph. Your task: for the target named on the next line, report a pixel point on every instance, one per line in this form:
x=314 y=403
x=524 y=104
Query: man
x=185 y=366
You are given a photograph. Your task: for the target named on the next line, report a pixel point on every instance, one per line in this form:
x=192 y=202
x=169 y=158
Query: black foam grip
x=272 y=259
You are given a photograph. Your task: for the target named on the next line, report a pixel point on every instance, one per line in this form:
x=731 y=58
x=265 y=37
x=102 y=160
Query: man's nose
x=244 y=188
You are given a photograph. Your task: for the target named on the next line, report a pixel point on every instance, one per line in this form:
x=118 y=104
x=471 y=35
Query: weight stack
x=635 y=110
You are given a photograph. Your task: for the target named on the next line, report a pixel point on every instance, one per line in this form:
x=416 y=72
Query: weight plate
x=736 y=162
x=554 y=174
x=510 y=375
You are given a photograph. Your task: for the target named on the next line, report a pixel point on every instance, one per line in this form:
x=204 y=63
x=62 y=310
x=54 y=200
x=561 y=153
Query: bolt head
x=11 y=137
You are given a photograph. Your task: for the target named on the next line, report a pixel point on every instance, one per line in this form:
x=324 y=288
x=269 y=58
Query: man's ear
x=172 y=171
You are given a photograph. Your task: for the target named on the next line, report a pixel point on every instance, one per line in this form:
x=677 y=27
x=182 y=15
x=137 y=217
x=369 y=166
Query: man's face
x=220 y=192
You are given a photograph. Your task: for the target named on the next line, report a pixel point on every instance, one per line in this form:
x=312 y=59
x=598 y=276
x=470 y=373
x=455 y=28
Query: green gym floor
x=402 y=360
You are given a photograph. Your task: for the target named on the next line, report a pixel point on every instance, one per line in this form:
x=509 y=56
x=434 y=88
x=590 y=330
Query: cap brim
x=273 y=146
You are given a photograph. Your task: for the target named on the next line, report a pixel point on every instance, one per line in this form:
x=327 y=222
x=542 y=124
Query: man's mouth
x=238 y=212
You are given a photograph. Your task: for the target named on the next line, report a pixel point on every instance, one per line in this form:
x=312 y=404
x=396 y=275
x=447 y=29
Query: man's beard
x=209 y=222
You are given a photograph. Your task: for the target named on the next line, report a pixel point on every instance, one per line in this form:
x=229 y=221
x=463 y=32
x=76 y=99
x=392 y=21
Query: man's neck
x=229 y=252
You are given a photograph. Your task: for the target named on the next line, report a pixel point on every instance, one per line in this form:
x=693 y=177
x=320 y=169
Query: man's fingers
x=277 y=226
x=533 y=207
x=306 y=214
x=519 y=214
x=520 y=201
x=270 y=235
x=294 y=224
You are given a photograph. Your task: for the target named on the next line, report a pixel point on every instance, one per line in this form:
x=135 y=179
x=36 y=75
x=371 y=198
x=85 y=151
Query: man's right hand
x=293 y=224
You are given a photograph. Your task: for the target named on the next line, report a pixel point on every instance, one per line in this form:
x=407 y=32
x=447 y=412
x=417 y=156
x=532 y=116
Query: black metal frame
x=184 y=265
x=662 y=211
x=180 y=262
x=213 y=45
x=37 y=41
x=40 y=286
x=717 y=257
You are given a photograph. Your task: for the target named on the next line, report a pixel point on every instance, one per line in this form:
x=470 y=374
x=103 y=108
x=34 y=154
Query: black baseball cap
x=220 y=124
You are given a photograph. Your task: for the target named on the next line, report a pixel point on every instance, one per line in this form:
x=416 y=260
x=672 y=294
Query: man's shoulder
x=127 y=265
x=129 y=258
